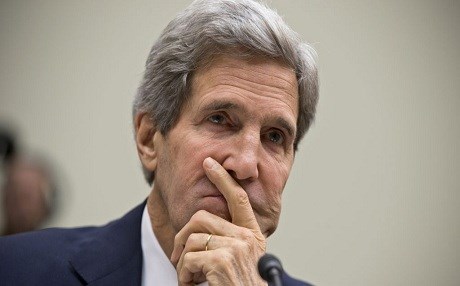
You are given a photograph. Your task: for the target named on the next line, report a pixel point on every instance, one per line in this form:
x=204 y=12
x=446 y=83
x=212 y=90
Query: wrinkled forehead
x=269 y=72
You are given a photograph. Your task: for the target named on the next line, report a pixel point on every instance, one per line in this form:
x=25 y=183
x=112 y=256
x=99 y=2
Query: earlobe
x=145 y=132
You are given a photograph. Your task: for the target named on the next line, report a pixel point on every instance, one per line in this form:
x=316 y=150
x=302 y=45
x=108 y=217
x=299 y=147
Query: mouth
x=216 y=204
x=217 y=198
x=209 y=190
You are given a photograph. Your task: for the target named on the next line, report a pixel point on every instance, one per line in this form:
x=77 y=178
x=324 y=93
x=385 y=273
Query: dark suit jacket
x=107 y=255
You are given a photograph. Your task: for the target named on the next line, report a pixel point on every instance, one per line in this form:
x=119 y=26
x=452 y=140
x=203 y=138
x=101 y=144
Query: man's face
x=243 y=114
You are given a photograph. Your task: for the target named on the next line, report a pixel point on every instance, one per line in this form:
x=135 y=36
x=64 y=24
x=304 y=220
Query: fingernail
x=210 y=163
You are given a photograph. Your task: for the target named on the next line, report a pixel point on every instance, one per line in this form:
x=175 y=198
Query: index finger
x=237 y=199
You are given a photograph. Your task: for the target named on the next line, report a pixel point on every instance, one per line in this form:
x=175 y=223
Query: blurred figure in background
x=28 y=195
x=28 y=189
x=7 y=146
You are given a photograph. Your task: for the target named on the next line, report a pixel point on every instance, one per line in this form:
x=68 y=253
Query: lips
x=215 y=204
x=208 y=189
x=217 y=197
x=214 y=195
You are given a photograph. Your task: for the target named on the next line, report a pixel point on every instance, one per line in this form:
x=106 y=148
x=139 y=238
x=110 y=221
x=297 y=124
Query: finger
x=201 y=222
x=237 y=199
x=195 y=242
x=202 y=262
x=198 y=242
x=194 y=266
x=230 y=265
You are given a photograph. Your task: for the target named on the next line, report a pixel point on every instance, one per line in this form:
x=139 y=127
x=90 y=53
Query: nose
x=242 y=162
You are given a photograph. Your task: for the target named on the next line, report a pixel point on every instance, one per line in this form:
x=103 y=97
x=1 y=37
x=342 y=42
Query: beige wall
x=374 y=197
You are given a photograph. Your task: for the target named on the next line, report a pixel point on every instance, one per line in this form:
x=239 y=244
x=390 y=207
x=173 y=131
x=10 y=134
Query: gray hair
x=206 y=29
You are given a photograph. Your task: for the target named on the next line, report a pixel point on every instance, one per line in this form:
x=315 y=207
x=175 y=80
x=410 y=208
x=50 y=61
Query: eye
x=276 y=137
x=217 y=119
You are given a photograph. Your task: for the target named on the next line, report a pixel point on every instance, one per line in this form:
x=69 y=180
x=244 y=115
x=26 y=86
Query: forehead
x=264 y=82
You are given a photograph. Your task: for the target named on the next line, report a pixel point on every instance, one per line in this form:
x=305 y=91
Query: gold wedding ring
x=207 y=242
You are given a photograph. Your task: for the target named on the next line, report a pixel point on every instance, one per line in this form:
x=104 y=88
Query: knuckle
x=220 y=172
x=198 y=217
x=187 y=258
x=193 y=239
x=216 y=259
x=224 y=256
x=246 y=235
x=241 y=249
x=177 y=238
x=242 y=198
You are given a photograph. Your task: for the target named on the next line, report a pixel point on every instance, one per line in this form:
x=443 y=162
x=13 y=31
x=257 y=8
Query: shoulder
x=43 y=242
x=44 y=254
x=60 y=256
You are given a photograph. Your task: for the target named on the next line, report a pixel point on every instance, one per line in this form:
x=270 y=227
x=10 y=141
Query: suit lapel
x=112 y=254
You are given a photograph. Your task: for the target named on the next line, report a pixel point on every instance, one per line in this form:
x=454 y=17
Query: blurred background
x=374 y=196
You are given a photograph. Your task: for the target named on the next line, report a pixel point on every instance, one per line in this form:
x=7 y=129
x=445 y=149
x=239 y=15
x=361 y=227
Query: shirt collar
x=156 y=267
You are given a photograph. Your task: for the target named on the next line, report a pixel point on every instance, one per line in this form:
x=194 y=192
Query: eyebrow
x=228 y=105
x=286 y=125
x=218 y=105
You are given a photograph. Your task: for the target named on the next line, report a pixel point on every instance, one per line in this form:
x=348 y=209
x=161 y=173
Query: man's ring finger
x=207 y=242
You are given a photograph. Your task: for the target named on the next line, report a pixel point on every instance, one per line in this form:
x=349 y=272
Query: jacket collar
x=112 y=254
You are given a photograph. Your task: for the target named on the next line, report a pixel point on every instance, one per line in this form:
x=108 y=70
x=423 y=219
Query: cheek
x=186 y=162
x=199 y=149
x=274 y=178
x=277 y=173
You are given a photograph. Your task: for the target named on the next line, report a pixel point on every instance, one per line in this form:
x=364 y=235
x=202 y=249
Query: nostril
x=239 y=181
x=233 y=174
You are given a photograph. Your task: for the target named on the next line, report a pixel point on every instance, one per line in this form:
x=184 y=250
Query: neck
x=159 y=218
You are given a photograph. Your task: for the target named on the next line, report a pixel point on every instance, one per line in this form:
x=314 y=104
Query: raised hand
x=230 y=255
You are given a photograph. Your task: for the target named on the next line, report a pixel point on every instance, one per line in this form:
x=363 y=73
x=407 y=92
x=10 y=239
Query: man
x=228 y=93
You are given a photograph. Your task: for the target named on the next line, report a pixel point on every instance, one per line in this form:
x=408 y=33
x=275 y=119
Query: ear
x=145 y=131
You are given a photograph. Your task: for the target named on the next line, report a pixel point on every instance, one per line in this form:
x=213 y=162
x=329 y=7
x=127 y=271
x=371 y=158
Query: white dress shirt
x=156 y=267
